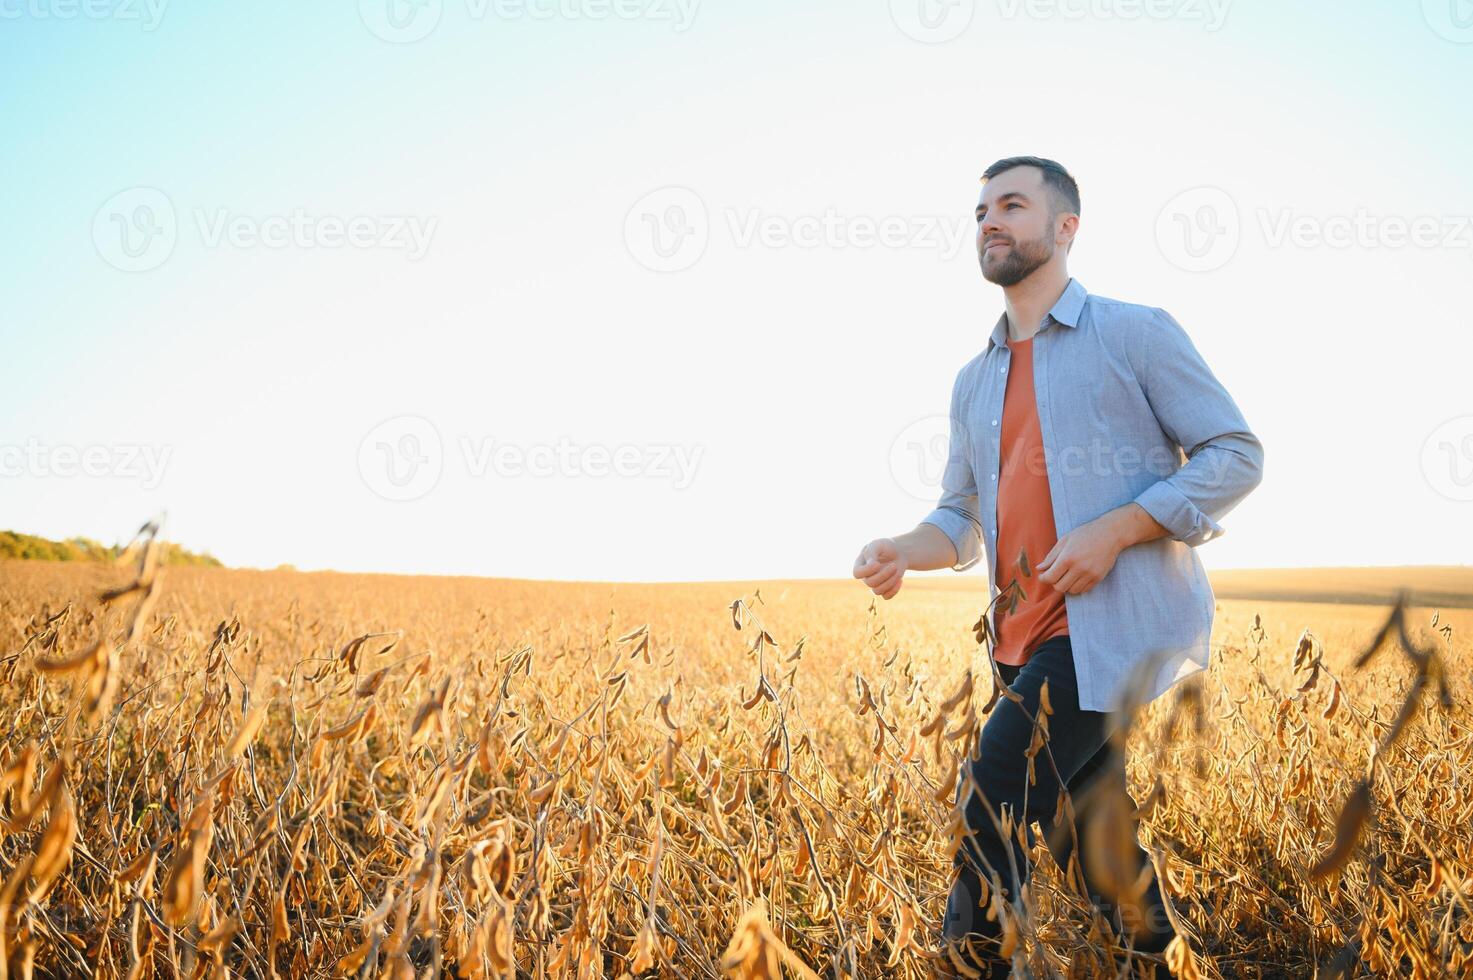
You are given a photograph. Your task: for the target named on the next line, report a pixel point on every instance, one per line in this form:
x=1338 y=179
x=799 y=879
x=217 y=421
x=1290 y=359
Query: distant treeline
x=16 y=545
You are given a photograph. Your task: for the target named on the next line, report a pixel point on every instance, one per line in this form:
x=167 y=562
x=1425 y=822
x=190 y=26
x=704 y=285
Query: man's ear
x=1068 y=225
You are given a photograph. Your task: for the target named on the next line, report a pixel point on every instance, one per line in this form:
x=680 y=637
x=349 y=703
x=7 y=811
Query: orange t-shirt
x=1025 y=519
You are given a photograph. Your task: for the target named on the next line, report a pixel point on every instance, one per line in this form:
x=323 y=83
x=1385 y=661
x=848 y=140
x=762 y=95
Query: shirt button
x=994 y=476
x=994 y=421
x=1004 y=370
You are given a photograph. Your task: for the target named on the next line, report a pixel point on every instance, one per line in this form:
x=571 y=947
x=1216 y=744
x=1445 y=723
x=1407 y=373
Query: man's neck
x=1030 y=300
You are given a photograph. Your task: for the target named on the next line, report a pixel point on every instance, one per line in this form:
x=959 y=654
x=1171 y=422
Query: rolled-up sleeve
x=956 y=512
x=1224 y=459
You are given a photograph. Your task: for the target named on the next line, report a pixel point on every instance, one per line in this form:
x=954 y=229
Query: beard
x=1018 y=263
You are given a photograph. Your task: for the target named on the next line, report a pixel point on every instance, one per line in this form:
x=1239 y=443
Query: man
x=1092 y=451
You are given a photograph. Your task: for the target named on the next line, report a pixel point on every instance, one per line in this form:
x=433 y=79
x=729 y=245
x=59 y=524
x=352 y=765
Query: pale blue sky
x=526 y=149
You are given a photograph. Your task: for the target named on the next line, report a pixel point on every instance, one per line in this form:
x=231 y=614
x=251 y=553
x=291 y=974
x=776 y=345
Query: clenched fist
x=881 y=566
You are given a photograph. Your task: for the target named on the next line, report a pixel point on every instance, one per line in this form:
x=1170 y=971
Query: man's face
x=1015 y=229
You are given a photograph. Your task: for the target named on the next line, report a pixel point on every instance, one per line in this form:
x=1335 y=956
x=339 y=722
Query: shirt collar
x=1066 y=311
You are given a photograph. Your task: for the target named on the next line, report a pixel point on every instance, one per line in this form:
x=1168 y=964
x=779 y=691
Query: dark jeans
x=1087 y=763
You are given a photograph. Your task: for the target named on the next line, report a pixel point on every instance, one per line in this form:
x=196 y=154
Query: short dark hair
x=1061 y=185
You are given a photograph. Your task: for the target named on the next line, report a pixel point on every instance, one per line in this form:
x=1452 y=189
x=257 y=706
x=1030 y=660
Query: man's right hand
x=881 y=566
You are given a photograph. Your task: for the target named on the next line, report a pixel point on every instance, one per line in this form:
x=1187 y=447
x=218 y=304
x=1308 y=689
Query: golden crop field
x=239 y=773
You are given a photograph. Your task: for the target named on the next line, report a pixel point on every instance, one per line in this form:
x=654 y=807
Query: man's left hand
x=1082 y=557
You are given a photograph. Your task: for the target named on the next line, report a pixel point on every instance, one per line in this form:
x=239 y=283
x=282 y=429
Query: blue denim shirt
x=1129 y=411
